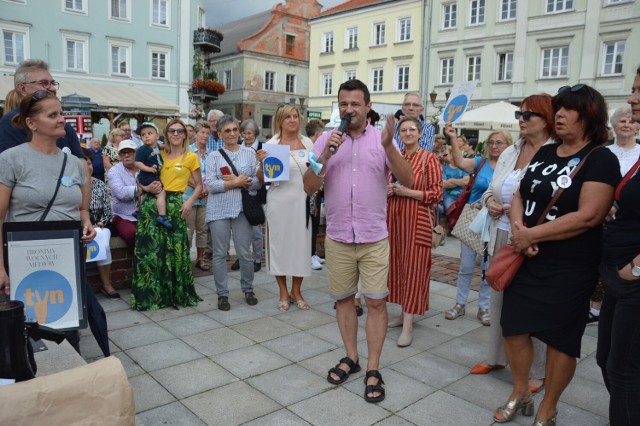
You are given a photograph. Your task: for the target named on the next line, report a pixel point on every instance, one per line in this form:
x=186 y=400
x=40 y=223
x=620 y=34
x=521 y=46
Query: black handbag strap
x=228 y=160
x=46 y=211
x=559 y=191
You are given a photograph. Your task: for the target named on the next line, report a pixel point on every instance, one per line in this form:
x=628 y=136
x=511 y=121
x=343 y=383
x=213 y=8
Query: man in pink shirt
x=355 y=177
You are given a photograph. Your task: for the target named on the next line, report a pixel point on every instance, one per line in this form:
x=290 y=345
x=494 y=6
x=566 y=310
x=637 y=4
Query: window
x=120 y=9
x=618 y=1
x=476 y=15
x=120 y=56
x=291 y=44
x=75 y=53
x=327 y=42
x=160 y=13
x=404 y=29
x=350 y=75
x=202 y=18
x=613 y=58
x=270 y=81
x=14 y=46
x=449 y=12
x=554 y=6
x=473 y=68
x=74 y=6
x=505 y=66
x=555 y=62
x=327 y=84
x=446 y=71
x=160 y=64
x=226 y=79
x=290 y=83
x=402 y=77
x=507 y=10
x=352 y=38
x=379 y=34
x=377 y=79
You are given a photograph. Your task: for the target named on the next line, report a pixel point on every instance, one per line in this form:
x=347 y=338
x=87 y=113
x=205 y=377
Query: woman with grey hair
x=249 y=131
x=626 y=130
x=224 y=208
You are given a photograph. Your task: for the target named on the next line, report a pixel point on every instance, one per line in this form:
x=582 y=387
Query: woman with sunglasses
x=618 y=353
x=535 y=119
x=288 y=229
x=549 y=296
x=410 y=219
x=230 y=170
x=483 y=168
x=162 y=274
x=29 y=174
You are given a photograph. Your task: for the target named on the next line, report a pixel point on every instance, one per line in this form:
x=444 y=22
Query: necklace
x=409 y=157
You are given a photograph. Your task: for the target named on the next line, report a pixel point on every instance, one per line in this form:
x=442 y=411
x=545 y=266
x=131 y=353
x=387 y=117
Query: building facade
x=521 y=47
x=134 y=56
x=379 y=42
x=264 y=62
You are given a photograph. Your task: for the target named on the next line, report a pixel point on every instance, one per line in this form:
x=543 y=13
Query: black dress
x=549 y=296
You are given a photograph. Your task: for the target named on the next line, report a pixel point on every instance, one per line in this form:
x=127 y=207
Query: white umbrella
x=496 y=116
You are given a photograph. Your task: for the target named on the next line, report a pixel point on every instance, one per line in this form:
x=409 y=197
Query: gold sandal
x=301 y=304
x=283 y=305
x=508 y=411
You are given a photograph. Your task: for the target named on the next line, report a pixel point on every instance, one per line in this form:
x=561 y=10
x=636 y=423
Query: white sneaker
x=315 y=263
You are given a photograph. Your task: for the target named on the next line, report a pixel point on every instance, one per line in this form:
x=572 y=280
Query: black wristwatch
x=635 y=270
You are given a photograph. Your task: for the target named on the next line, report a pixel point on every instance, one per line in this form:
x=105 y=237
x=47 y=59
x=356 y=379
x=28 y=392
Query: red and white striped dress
x=410 y=223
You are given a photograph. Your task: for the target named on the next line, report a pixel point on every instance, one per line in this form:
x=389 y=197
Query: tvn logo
x=47 y=296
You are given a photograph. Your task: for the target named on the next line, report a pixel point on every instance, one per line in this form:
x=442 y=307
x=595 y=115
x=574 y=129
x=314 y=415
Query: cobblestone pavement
x=256 y=365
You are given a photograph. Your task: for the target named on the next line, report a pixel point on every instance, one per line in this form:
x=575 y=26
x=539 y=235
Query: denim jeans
x=465 y=275
x=619 y=347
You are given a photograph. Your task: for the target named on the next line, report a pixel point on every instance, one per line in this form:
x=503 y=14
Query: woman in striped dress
x=410 y=218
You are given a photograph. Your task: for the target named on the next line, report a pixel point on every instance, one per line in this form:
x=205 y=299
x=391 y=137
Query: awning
x=119 y=99
x=496 y=116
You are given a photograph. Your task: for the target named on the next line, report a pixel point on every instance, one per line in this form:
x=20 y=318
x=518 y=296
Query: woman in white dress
x=288 y=225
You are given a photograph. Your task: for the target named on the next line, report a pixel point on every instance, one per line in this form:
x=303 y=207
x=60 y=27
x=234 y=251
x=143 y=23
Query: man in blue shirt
x=215 y=141
x=412 y=107
x=33 y=75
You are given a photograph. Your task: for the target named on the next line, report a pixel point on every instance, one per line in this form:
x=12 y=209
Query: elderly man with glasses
x=33 y=75
x=412 y=107
x=125 y=126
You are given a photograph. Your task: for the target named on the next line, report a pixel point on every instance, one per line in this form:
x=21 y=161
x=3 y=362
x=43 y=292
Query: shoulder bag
x=250 y=206
x=455 y=210
x=55 y=193
x=506 y=262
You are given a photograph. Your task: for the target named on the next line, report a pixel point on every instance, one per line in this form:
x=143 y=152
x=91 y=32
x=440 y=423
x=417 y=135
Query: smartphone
x=225 y=170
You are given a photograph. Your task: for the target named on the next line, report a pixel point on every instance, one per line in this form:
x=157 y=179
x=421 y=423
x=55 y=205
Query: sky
x=222 y=11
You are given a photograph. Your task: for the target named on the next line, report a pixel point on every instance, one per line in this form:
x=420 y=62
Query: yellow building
x=376 y=41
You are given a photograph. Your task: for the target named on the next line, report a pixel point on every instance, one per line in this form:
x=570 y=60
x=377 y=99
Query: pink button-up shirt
x=355 y=188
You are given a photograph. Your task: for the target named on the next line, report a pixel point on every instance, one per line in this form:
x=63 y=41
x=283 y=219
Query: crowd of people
x=555 y=195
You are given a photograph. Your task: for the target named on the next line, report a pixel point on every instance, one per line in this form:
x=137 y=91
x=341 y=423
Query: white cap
x=127 y=144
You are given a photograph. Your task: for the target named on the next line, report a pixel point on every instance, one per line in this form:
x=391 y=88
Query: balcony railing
x=207 y=40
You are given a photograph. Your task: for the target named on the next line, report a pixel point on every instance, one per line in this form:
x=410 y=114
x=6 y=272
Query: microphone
x=346 y=119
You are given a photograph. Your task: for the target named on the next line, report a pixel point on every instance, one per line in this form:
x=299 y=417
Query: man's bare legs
x=348 y=325
x=376 y=333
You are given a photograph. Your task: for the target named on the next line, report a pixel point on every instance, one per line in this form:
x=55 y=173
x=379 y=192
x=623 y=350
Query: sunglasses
x=577 y=88
x=233 y=130
x=496 y=143
x=526 y=115
x=179 y=131
x=37 y=96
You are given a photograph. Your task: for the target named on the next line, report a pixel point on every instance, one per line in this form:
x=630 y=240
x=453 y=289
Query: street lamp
x=435 y=118
x=434 y=95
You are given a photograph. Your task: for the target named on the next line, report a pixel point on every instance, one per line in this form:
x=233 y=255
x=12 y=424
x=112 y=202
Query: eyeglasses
x=526 y=115
x=178 y=131
x=496 y=143
x=577 y=88
x=233 y=130
x=36 y=96
x=407 y=129
x=412 y=105
x=45 y=83
x=125 y=153
x=124 y=129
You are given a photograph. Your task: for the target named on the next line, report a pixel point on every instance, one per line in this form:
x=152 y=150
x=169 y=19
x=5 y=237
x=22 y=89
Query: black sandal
x=354 y=367
x=378 y=387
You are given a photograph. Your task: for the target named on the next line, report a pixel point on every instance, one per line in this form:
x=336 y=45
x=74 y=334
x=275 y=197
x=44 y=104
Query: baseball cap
x=127 y=144
x=146 y=124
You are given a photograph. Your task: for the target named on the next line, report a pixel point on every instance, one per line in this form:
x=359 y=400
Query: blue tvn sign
x=273 y=167
x=47 y=296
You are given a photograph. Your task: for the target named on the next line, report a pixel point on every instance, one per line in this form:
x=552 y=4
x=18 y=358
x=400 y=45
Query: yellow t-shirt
x=175 y=173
